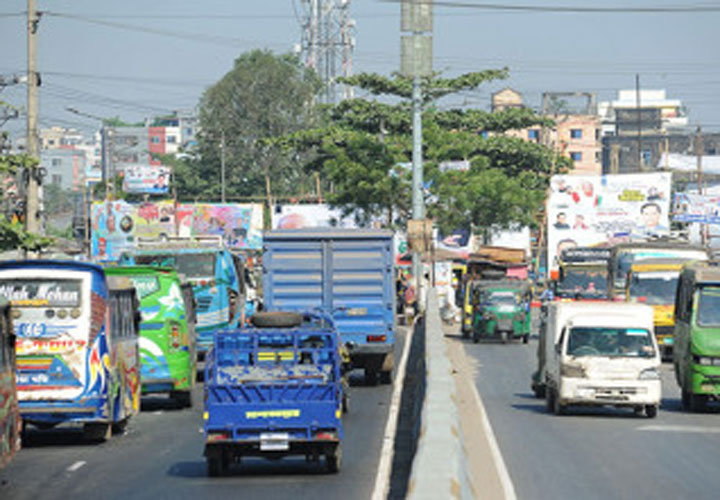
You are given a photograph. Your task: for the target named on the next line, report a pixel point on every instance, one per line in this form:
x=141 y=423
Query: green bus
x=167 y=331
x=696 y=352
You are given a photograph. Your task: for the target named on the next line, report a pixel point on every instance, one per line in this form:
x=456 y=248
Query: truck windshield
x=708 y=309
x=192 y=265
x=614 y=342
x=655 y=288
x=583 y=283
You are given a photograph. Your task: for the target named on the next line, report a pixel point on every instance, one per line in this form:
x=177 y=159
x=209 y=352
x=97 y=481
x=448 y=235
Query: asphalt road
x=594 y=453
x=160 y=456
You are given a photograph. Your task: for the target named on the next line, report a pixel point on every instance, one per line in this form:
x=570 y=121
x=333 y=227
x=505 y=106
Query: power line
x=657 y=9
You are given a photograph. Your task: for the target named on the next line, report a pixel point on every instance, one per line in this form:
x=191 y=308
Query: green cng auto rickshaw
x=502 y=311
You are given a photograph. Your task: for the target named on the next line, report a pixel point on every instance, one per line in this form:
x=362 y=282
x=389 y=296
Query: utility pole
x=222 y=166
x=641 y=167
x=701 y=191
x=416 y=62
x=32 y=207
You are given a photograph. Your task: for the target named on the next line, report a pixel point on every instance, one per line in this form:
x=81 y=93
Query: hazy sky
x=139 y=58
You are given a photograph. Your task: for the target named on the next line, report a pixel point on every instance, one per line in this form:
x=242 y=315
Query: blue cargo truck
x=349 y=274
x=274 y=389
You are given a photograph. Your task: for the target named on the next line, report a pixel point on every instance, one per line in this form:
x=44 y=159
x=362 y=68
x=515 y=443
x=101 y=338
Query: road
x=593 y=453
x=160 y=456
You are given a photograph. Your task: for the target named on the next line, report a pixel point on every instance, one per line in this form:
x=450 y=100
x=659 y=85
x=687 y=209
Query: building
x=65 y=167
x=577 y=127
x=658 y=113
x=58 y=137
x=621 y=154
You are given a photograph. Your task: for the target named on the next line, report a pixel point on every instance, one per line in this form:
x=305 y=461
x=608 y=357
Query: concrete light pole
x=32 y=206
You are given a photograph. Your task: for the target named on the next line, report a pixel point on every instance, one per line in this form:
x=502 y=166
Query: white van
x=601 y=354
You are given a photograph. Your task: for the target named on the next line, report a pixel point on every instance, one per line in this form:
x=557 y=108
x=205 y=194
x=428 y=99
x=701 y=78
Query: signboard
x=596 y=210
x=704 y=209
x=584 y=254
x=297 y=216
x=147 y=179
x=117 y=225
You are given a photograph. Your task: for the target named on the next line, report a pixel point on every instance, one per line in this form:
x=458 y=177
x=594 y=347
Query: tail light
x=175 y=337
x=326 y=436
x=376 y=338
x=218 y=436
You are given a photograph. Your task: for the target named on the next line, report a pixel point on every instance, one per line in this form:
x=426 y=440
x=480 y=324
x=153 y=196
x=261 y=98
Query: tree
x=12 y=233
x=363 y=142
x=264 y=96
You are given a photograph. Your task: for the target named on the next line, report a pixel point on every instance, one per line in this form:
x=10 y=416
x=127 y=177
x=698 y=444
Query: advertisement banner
x=704 y=209
x=311 y=215
x=604 y=210
x=147 y=179
x=117 y=225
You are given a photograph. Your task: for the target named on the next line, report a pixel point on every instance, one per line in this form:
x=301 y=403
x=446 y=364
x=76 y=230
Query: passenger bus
x=582 y=274
x=624 y=254
x=696 y=352
x=215 y=277
x=77 y=349
x=167 y=331
x=9 y=413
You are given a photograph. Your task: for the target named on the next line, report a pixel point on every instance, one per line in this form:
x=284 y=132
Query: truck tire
x=214 y=467
x=182 y=399
x=371 y=377
x=558 y=408
x=386 y=377
x=651 y=411
x=525 y=338
x=333 y=460
x=698 y=402
x=685 y=400
x=549 y=401
x=281 y=319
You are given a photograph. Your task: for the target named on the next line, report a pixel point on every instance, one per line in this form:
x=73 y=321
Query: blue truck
x=274 y=389
x=349 y=274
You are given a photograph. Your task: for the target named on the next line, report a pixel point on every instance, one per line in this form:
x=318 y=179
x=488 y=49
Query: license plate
x=274 y=441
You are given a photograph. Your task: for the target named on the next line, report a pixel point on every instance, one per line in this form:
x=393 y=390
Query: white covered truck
x=600 y=354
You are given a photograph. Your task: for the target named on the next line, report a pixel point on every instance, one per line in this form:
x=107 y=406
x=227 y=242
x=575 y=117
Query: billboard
x=117 y=225
x=688 y=207
x=311 y=215
x=604 y=210
x=146 y=179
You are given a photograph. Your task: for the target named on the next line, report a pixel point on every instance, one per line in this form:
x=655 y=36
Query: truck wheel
x=465 y=333
x=698 y=402
x=333 y=460
x=282 y=319
x=538 y=390
x=386 y=377
x=345 y=403
x=371 y=377
x=526 y=337
x=214 y=467
x=651 y=411
x=685 y=400
x=182 y=399
x=549 y=399
x=558 y=408
x=97 y=432
x=475 y=338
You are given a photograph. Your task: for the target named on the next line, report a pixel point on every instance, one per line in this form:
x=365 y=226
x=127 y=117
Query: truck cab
x=601 y=354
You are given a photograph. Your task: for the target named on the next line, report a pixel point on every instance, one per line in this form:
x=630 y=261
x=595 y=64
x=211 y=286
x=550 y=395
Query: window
x=56 y=179
x=576 y=133
x=597 y=156
x=155 y=140
x=597 y=134
x=646 y=157
x=576 y=156
x=533 y=134
x=171 y=139
x=51 y=142
x=56 y=162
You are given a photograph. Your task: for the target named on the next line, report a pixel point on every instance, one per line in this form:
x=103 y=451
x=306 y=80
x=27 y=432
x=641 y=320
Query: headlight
x=649 y=374
x=572 y=371
x=706 y=360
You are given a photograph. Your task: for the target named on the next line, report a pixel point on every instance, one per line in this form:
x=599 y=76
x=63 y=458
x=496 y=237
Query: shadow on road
x=156 y=403
x=251 y=466
x=68 y=436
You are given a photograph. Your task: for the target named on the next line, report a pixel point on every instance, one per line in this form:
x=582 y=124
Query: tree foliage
x=263 y=97
x=363 y=144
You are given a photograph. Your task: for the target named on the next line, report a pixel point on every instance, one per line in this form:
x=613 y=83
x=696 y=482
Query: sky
x=137 y=58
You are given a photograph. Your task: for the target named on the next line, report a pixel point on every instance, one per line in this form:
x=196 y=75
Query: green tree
x=363 y=142
x=263 y=97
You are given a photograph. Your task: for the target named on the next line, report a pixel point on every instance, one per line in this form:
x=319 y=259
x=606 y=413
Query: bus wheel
x=120 y=426
x=685 y=400
x=651 y=411
x=97 y=432
x=525 y=338
x=182 y=399
x=698 y=402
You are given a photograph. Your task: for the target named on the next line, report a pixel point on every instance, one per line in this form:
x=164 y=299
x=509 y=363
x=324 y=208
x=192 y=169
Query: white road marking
x=505 y=480
x=382 y=477
x=76 y=466
x=681 y=428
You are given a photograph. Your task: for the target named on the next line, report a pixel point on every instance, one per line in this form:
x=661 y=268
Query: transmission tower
x=327 y=44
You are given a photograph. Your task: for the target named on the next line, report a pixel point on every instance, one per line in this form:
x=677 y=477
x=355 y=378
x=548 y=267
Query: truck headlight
x=572 y=371
x=706 y=360
x=649 y=374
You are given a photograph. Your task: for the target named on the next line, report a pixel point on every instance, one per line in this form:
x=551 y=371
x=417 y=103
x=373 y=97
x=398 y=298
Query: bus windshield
x=192 y=265
x=654 y=288
x=708 y=309
x=613 y=342
x=626 y=258
x=583 y=283
x=41 y=292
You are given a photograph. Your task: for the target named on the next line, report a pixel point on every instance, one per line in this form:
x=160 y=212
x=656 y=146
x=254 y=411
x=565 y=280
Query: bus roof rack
x=211 y=241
